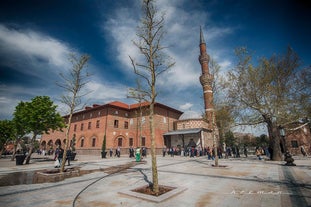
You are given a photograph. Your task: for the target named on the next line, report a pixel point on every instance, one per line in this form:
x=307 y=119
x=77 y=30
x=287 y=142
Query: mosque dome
x=190 y=115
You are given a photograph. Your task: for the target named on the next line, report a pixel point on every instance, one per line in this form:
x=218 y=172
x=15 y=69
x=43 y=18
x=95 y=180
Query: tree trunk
x=274 y=136
x=62 y=168
x=29 y=155
x=216 y=157
x=30 y=148
x=215 y=141
x=153 y=152
x=277 y=154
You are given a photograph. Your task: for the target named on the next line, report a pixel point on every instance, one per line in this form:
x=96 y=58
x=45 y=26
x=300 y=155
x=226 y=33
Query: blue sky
x=36 y=37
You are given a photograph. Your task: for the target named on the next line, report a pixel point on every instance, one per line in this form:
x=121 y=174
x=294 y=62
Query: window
x=143 y=141
x=116 y=123
x=75 y=128
x=126 y=125
x=97 y=124
x=93 y=142
x=120 y=142
x=89 y=125
x=131 y=142
x=81 y=127
x=294 y=143
x=91 y=115
x=82 y=143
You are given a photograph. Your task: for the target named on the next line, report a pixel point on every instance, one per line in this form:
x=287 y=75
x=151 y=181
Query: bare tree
x=270 y=93
x=73 y=83
x=150 y=34
x=139 y=95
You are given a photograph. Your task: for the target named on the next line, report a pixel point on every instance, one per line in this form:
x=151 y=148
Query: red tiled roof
x=137 y=105
x=124 y=106
x=119 y=104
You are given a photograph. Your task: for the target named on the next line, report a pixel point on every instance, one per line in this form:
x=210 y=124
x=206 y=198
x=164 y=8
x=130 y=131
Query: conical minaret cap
x=202 y=41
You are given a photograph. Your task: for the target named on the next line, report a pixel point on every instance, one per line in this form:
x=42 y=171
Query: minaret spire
x=206 y=80
x=202 y=41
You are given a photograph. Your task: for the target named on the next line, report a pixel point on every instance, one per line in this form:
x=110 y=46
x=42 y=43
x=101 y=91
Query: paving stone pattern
x=243 y=182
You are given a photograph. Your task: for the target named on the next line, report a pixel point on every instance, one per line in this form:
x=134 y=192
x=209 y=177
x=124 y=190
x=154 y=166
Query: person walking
x=245 y=151
x=56 y=153
x=164 y=151
x=111 y=152
x=68 y=156
x=303 y=151
x=118 y=151
x=59 y=157
x=131 y=152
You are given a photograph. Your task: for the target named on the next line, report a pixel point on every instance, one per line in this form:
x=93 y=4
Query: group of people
x=172 y=151
x=59 y=153
x=191 y=151
x=117 y=152
x=131 y=152
x=143 y=151
x=208 y=151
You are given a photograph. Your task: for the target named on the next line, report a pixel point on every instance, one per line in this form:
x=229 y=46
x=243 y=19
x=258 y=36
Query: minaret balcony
x=204 y=58
x=206 y=79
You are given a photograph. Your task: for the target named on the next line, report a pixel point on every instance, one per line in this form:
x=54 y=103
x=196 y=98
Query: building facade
x=123 y=125
x=298 y=137
x=191 y=130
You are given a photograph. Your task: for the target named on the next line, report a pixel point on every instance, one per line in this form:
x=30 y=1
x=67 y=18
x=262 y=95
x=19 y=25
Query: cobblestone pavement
x=238 y=182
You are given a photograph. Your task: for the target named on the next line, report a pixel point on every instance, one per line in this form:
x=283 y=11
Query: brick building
x=298 y=135
x=120 y=123
x=190 y=131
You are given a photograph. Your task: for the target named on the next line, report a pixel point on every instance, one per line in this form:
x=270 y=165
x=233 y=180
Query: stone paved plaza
x=243 y=182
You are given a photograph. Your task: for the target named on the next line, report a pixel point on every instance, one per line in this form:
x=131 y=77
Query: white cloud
x=7 y=107
x=11 y=95
x=122 y=29
x=186 y=106
x=104 y=92
x=33 y=47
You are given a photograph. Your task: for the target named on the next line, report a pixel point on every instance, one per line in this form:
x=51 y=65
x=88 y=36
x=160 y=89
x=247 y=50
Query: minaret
x=206 y=80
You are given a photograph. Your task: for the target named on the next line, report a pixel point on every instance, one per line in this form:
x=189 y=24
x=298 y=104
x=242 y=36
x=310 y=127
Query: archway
x=58 y=143
x=43 y=145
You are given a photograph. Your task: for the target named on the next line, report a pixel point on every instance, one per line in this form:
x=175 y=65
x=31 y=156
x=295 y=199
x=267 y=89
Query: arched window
x=82 y=142
x=58 y=142
x=143 y=141
x=131 y=142
x=93 y=142
x=120 y=142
